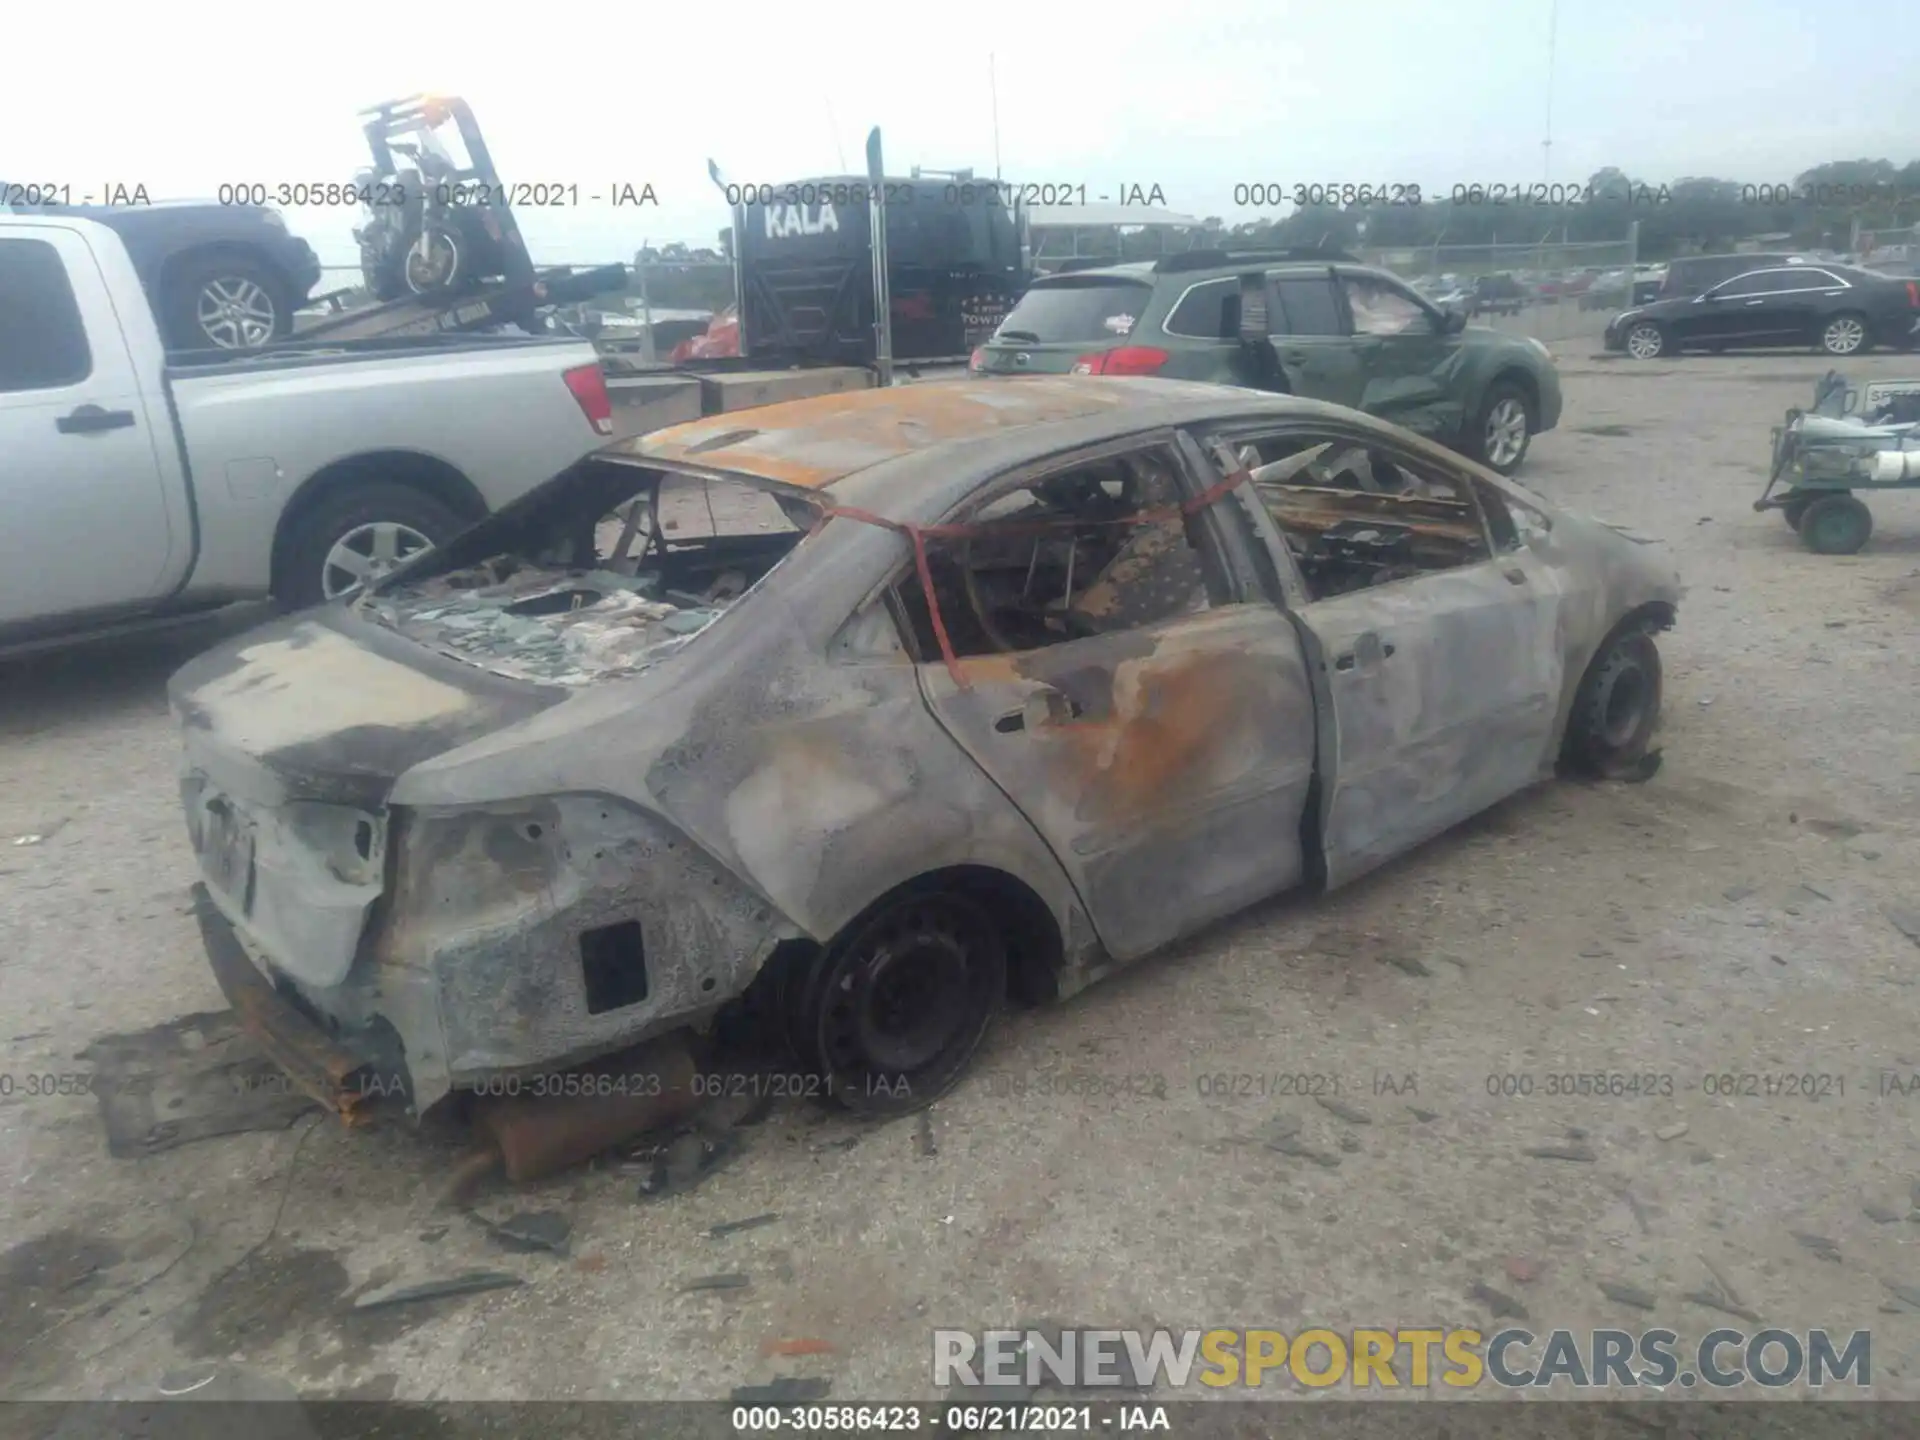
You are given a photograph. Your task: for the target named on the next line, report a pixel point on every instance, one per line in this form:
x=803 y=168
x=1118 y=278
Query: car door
x=1308 y=328
x=1441 y=686
x=1806 y=299
x=1163 y=745
x=1761 y=307
x=86 y=514
x=1408 y=358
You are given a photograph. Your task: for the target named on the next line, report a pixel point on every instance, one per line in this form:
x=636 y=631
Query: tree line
x=1821 y=208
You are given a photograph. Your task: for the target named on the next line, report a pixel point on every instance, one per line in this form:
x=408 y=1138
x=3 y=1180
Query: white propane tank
x=1895 y=465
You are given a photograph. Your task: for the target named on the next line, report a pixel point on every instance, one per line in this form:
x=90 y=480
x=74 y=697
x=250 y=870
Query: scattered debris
x=1425 y=1117
x=682 y=1163
x=1905 y=919
x=1408 y=963
x=923 y=1135
x=734 y=1227
x=1629 y=1295
x=734 y=1281
x=1715 y=1301
x=789 y=1349
x=433 y=1236
x=1639 y=1211
x=1720 y=1279
x=787 y=1390
x=472 y=1283
x=530 y=1230
x=1581 y=1153
x=189 y=1079
x=45 y=832
x=1501 y=1304
x=1907 y=1294
x=1642 y=770
x=1350 y=1143
x=1352 y=1114
x=1737 y=893
x=1671 y=1132
x=1880 y=1214
x=1292 y=1145
x=1819 y=1244
x=1521 y=1270
x=1817 y=893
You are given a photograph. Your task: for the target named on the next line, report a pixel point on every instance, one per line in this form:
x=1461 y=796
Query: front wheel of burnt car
x=1617 y=707
x=890 y=1015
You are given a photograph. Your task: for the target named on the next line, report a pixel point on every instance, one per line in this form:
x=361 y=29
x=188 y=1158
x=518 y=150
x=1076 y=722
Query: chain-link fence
x=1549 y=291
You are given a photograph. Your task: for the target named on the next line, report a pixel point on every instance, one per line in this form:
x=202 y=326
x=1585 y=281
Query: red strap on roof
x=919 y=534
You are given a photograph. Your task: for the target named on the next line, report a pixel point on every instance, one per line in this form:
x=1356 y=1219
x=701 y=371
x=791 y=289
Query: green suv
x=1311 y=323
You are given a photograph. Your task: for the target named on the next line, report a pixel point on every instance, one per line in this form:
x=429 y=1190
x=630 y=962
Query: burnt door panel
x=1167 y=767
x=1444 y=691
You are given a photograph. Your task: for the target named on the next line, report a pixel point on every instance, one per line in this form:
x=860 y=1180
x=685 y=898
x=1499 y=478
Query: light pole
x=1546 y=145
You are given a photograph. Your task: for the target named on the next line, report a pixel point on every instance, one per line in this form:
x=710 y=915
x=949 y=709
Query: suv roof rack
x=1212 y=259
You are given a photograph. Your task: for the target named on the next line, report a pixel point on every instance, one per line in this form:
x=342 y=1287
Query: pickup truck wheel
x=225 y=304
x=892 y=1013
x=358 y=535
x=1504 y=428
x=1616 y=707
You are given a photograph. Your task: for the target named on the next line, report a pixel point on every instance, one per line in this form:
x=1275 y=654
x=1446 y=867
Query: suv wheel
x=225 y=303
x=1504 y=428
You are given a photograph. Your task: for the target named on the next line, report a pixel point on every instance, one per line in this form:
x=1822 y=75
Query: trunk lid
x=1063 y=318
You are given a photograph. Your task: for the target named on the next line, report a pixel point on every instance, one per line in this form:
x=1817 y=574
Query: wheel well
x=220 y=249
x=1034 y=947
x=1651 y=617
x=425 y=473
x=1521 y=380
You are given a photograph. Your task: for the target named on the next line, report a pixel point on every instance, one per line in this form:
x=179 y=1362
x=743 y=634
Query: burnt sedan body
x=880 y=707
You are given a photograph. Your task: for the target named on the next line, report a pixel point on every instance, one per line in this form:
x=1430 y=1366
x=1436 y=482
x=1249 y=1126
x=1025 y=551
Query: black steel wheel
x=1617 y=707
x=896 y=1008
x=1836 y=524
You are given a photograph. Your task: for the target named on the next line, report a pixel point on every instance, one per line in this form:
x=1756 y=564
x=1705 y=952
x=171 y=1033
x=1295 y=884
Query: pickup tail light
x=1127 y=360
x=1913 y=296
x=589 y=388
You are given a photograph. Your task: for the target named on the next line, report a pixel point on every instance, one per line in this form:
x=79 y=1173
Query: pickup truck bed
x=137 y=486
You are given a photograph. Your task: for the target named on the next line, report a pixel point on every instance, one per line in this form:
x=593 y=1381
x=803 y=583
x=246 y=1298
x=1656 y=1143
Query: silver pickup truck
x=136 y=487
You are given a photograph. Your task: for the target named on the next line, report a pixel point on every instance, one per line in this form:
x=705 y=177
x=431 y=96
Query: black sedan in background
x=1842 y=310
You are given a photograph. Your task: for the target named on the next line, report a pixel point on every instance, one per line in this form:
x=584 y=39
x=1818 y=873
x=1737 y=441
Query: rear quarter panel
x=256 y=434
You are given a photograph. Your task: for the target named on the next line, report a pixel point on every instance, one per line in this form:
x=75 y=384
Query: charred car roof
x=817 y=443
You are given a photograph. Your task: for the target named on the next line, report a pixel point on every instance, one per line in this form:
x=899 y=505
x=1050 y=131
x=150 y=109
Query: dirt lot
x=1725 y=917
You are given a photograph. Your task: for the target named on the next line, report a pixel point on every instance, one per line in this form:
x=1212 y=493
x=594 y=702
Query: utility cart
x=1852 y=439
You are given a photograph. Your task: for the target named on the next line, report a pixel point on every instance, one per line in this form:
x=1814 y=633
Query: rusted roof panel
x=817 y=441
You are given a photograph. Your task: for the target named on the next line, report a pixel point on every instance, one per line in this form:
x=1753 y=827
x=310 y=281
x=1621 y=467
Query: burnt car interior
x=1081 y=552
x=1355 y=516
x=598 y=576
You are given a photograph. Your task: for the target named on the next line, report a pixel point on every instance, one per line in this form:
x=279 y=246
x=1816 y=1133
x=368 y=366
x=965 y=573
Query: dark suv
x=225 y=277
x=1318 y=325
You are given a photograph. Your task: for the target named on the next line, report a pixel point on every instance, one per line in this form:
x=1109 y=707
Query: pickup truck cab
x=138 y=488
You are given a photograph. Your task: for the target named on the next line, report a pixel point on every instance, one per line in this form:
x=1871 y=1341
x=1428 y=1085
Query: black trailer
x=803 y=257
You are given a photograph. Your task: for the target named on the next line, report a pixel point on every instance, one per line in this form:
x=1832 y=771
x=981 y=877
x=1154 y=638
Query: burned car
x=879 y=708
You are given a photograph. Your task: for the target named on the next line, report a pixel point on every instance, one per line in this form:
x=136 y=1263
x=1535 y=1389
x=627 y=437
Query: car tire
x=1503 y=430
x=362 y=520
x=1846 y=334
x=890 y=1015
x=1792 y=511
x=1617 y=707
x=1647 y=340
x=1836 y=525
x=225 y=302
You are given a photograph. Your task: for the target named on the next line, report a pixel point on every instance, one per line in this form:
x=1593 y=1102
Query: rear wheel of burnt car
x=1617 y=707
x=1646 y=340
x=892 y=1013
x=1505 y=427
x=224 y=303
x=1844 y=335
x=356 y=536
x=1835 y=525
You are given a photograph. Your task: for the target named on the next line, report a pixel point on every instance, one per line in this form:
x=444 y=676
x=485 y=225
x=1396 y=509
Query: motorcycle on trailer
x=436 y=219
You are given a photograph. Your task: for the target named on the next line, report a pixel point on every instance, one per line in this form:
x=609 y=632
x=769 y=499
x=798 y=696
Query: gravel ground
x=1725 y=917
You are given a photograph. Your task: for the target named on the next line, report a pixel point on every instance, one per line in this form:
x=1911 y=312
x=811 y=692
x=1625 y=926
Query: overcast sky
x=1195 y=99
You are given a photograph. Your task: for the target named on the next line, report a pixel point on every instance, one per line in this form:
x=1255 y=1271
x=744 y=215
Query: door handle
x=1515 y=576
x=1369 y=645
x=1756 y=302
x=89 y=419
x=1045 y=706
